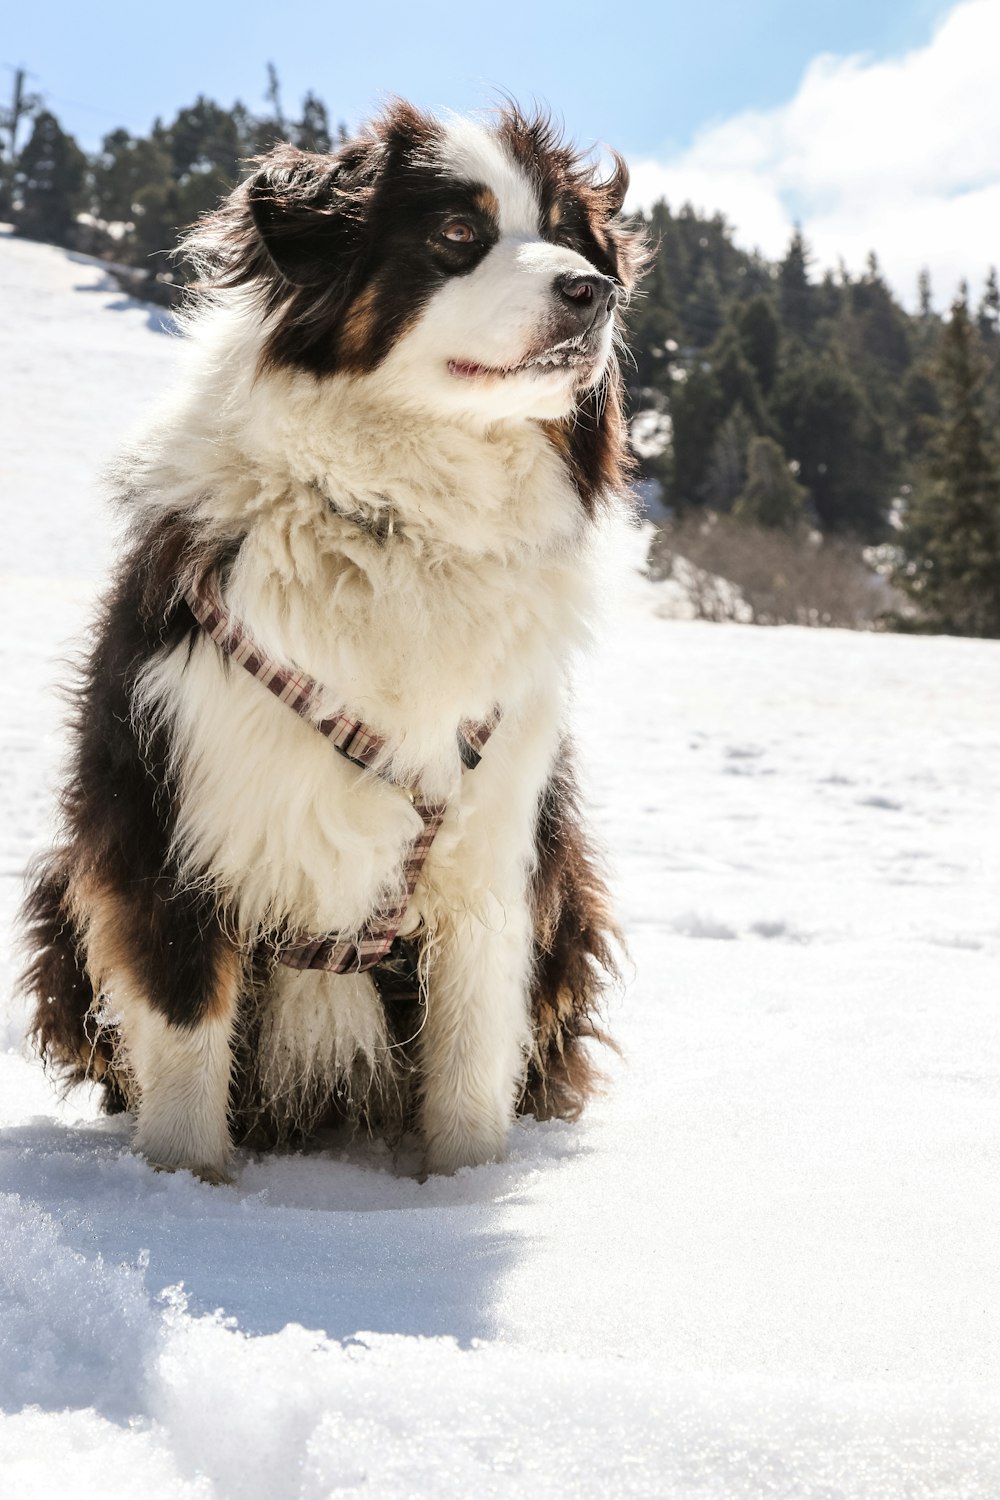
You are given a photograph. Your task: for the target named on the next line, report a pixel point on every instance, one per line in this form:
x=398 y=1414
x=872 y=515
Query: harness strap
x=335 y=953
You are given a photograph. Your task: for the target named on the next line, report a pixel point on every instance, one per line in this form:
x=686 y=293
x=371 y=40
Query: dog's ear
x=611 y=191
x=626 y=233
x=308 y=209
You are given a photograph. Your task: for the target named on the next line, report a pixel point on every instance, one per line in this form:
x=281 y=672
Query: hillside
x=764 y=1265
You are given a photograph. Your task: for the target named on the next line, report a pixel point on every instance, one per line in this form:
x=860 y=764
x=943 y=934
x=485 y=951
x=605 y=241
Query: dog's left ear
x=626 y=232
x=305 y=209
x=613 y=189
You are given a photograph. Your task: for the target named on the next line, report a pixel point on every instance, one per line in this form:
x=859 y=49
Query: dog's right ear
x=307 y=209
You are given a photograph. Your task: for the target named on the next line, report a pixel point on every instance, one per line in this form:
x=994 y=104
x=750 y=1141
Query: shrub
x=730 y=570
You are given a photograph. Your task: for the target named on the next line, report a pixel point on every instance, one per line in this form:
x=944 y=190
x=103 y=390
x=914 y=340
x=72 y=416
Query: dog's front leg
x=182 y=1075
x=476 y=1033
x=171 y=976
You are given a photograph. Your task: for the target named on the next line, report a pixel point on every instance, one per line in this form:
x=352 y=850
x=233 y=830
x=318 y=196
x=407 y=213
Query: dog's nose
x=590 y=296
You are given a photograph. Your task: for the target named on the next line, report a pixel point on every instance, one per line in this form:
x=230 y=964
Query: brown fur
x=112 y=871
x=487 y=203
x=577 y=943
x=56 y=976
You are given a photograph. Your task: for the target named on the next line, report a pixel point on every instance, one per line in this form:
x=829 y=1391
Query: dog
x=322 y=856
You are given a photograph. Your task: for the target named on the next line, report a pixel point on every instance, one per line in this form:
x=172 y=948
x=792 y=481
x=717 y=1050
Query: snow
x=651 y=431
x=765 y=1264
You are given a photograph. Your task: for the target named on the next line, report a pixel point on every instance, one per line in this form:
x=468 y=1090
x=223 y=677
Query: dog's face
x=476 y=270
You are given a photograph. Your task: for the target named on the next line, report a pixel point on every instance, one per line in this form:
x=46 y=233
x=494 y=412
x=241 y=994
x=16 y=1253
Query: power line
x=97 y=109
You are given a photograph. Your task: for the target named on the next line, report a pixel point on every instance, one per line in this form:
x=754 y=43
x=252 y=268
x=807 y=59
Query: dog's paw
x=214 y=1176
x=447 y=1154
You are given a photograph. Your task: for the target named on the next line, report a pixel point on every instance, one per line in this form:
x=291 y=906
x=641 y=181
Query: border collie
x=385 y=488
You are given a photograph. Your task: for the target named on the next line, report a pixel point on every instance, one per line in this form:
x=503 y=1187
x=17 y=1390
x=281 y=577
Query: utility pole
x=22 y=104
x=273 y=97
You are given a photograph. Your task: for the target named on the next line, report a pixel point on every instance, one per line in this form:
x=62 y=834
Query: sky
x=875 y=125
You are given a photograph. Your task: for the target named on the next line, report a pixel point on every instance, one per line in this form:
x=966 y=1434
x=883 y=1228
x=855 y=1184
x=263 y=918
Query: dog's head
x=477 y=269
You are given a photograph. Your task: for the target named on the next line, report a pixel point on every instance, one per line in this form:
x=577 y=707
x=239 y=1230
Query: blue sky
x=644 y=76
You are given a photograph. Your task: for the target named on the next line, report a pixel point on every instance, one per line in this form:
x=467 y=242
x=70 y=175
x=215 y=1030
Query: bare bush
x=730 y=570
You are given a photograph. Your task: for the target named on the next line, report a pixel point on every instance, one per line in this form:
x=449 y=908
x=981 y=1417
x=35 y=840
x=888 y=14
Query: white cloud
x=900 y=156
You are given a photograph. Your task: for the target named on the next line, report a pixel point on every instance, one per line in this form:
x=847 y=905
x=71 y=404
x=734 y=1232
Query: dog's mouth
x=570 y=354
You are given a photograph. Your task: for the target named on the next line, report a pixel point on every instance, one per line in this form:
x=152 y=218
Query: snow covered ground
x=767 y=1264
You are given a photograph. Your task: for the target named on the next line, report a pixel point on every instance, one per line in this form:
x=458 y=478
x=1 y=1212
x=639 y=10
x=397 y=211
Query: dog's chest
x=284 y=825
x=474 y=603
x=478 y=591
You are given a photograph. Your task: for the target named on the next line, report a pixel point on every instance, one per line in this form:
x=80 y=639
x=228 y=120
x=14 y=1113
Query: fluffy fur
x=399 y=440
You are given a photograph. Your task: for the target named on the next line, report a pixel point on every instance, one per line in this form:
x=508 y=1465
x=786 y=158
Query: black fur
x=576 y=947
x=118 y=818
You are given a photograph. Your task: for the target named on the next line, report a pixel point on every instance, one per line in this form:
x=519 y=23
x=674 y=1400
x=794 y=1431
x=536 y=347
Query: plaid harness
x=360 y=745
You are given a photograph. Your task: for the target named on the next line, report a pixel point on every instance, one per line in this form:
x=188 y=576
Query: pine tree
x=952 y=538
x=205 y=148
x=736 y=378
x=654 y=325
x=828 y=297
x=760 y=337
x=702 y=311
x=831 y=428
x=772 y=496
x=49 y=183
x=924 y=293
x=726 y=470
x=313 y=132
x=794 y=289
x=696 y=413
x=921 y=406
x=124 y=173
x=881 y=325
x=989 y=307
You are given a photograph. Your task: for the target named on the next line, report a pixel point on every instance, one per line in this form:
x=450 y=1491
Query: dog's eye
x=459 y=233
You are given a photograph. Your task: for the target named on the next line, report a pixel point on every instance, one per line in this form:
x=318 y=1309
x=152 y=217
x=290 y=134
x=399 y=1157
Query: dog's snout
x=590 y=296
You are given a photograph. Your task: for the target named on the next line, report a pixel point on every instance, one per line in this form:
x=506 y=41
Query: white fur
x=181 y=1075
x=479 y=598
x=472 y=153
x=317 y=1032
x=496 y=316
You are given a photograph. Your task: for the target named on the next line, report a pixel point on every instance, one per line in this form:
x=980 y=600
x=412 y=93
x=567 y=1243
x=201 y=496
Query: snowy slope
x=765 y=1265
